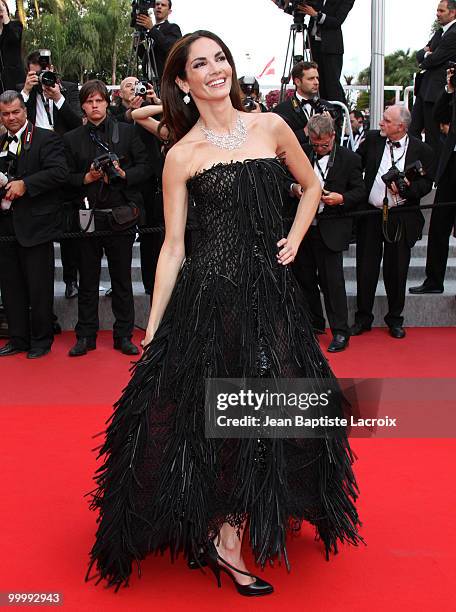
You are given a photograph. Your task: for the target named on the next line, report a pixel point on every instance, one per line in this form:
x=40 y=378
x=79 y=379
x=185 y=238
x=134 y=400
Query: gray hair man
x=386 y=154
x=319 y=261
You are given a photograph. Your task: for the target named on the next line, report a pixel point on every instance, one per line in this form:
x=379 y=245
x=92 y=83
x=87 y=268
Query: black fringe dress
x=234 y=312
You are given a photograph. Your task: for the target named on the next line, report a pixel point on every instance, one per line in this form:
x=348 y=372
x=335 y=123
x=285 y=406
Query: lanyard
x=19 y=146
x=322 y=174
x=391 y=148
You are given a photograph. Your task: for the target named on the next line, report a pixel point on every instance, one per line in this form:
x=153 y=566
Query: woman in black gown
x=231 y=310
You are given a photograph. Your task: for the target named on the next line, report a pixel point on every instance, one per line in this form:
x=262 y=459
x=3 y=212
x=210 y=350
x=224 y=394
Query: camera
x=411 y=172
x=7 y=173
x=141 y=88
x=105 y=163
x=452 y=66
x=140 y=7
x=45 y=75
x=249 y=85
x=290 y=7
x=47 y=78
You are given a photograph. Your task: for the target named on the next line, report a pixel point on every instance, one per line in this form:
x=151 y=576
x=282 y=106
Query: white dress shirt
x=307 y=107
x=377 y=193
x=315 y=32
x=323 y=163
x=42 y=120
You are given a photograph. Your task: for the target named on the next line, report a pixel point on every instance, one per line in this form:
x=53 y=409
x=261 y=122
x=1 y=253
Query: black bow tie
x=394 y=144
x=10 y=139
x=304 y=102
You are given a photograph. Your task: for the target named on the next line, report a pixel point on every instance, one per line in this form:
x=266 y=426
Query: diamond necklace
x=233 y=140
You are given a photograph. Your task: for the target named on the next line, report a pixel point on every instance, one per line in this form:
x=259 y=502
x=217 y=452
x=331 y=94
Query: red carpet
x=50 y=409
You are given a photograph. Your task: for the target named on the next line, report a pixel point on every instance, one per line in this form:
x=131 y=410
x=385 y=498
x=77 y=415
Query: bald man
x=394 y=238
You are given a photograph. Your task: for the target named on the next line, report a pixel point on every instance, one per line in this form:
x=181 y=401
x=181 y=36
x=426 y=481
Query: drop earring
x=187 y=98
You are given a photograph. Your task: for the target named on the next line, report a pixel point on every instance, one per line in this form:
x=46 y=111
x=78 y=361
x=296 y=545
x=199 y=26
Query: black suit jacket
x=68 y=117
x=37 y=215
x=80 y=152
x=336 y=12
x=371 y=152
x=164 y=36
x=445 y=112
x=429 y=84
x=11 y=66
x=295 y=117
x=345 y=177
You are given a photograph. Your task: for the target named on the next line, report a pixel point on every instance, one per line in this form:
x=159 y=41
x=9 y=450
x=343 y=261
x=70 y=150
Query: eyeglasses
x=319 y=145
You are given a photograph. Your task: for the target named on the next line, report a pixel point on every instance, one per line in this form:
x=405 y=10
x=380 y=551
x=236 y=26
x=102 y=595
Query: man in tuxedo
x=392 y=235
x=54 y=108
x=327 y=42
x=443 y=219
x=301 y=107
x=106 y=190
x=359 y=133
x=433 y=61
x=319 y=260
x=163 y=33
x=34 y=161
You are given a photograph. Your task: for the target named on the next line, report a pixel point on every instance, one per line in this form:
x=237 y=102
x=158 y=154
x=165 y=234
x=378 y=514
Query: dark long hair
x=179 y=117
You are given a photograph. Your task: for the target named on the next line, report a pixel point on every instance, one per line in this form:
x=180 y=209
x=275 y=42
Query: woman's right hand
x=147 y=339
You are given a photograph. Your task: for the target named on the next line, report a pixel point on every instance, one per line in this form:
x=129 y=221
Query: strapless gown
x=234 y=313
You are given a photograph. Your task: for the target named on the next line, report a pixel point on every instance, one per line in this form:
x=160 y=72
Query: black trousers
x=315 y=265
x=329 y=70
x=27 y=283
x=118 y=251
x=370 y=248
x=69 y=252
x=423 y=119
x=442 y=222
x=151 y=244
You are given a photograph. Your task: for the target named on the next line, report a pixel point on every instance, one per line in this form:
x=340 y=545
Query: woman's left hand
x=287 y=252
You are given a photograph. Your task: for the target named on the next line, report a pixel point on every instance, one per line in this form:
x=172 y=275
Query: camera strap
x=299 y=110
x=47 y=108
x=385 y=208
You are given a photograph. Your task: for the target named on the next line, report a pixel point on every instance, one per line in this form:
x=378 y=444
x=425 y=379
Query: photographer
x=139 y=103
x=305 y=103
x=443 y=219
x=108 y=163
x=34 y=171
x=385 y=155
x=250 y=95
x=359 y=133
x=163 y=33
x=53 y=106
x=326 y=39
x=132 y=95
x=11 y=67
x=319 y=260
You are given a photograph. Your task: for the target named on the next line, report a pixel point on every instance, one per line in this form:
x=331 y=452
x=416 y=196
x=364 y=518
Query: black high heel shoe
x=196 y=562
x=255 y=589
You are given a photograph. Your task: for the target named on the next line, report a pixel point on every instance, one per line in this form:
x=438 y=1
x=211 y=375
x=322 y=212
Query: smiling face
x=208 y=74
